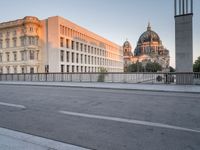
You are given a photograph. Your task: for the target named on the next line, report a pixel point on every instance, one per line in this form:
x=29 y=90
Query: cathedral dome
x=149 y=36
x=127 y=44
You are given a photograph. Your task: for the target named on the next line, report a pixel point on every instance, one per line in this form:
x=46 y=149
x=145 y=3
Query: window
x=1 y=35
x=61 y=42
x=23 y=41
x=81 y=47
x=8 y=34
x=23 y=70
x=85 y=59
x=32 y=55
x=15 y=56
x=62 y=68
x=72 y=57
x=62 y=55
x=72 y=44
x=88 y=49
x=85 y=47
x=8 y=69
x=77 y=46
x=1 y=43
x=8 y=57
x=67 y=57
x=67 y=43
x=31 y=29
x=1 y=57
x=15 y=69
x=31 y=70
x=77 y=58
x=22 y=55
x=68 y=68
x=88 y=59
x=81 y=68
x=77 y=69
x=7 y=43
x=14 y=42
x=81 y=58
x=1 y=70
x=72 y=68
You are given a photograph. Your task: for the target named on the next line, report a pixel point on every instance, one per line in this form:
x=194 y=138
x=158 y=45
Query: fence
x=147 y=78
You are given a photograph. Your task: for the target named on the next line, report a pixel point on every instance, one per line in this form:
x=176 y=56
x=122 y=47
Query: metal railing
x=146 y=78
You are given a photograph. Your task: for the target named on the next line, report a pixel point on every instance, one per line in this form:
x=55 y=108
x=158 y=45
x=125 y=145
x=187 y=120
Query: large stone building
x=30 y=45
x=149 y=49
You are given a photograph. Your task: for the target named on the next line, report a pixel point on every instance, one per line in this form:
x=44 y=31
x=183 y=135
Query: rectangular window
x=22 y=55
x=8 y=70
x=72 y=57
x=67 y=56
x=88 y=59
x=77 y=46
x=8 y=57
x=72 y=44
x=67 y=43
x=67 y=68
x=81 y=47
x=14 y=42
x=1 y=57
x=22 y=41
x=81 y=58
x=77 y=69
x=81 y=68
x=77 y=58
x=15 y=56
x=1 y=43
x=62 y=68
x=61 y=55
x=72 y=68
x=31 y=70
x=15 y=69
x=61 y=42
x=85 y=47
x=88 y=49
x=32 y=55
x=7 y=43
x=85 y=59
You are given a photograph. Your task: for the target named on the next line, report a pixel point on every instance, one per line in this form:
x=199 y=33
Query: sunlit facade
x=30 y=45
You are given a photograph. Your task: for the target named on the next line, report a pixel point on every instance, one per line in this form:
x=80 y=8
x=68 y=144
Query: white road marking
x=12 y=105
x=131 y=121
x=10 y=139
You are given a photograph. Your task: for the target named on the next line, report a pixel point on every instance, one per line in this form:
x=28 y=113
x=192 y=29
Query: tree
x=153 y=67
x=135 y=67
x=101 y=77
x=196 y=66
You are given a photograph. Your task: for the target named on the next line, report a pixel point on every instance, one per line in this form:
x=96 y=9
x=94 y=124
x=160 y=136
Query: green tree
x=196 y=66
x=135 y=67
x=101 y=77
x=153 y=67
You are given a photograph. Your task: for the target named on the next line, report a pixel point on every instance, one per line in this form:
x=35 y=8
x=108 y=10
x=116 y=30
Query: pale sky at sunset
x=115 y=20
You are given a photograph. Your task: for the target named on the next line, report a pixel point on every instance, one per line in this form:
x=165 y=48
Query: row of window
x=24 y=42
x=72 y=57
x=65 y=31
x=15 y=56
x=85 y=48
x=14 y=32
x=15 y=70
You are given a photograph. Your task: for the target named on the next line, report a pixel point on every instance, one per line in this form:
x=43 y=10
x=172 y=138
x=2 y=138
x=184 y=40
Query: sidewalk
x=13 y=140
x=119 y=86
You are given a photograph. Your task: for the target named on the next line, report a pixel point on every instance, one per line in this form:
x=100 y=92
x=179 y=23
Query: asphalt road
x=104 y=119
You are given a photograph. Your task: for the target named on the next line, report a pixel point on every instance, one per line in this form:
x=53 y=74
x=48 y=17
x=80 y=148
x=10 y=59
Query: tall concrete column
x=184 y=39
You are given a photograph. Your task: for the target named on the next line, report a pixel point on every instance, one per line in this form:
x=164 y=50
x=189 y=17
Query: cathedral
x=149 y=49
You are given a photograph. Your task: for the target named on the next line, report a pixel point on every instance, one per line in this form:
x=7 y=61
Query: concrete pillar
x=184 y=40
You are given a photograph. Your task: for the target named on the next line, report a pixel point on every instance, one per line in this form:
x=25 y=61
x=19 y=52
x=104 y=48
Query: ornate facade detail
x=149 y=49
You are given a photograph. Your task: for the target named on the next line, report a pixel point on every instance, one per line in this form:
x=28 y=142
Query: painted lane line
x=131 y=121
x=12 y=105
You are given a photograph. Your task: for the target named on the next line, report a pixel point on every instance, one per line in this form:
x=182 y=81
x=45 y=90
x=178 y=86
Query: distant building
x=149 y=49
x=30 y=45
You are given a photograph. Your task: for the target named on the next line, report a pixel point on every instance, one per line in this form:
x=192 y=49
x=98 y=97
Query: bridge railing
x=142 y=78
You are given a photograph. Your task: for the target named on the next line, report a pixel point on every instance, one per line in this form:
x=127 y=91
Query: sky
x=115 y=20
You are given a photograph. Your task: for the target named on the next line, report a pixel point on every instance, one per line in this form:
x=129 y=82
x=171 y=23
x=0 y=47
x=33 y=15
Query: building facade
x=149 y=49
x=30 y=45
